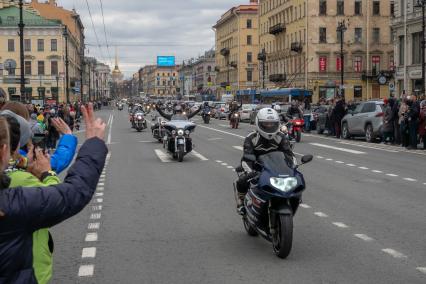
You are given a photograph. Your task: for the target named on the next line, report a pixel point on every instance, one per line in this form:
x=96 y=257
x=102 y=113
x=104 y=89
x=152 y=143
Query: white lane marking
x=162 y=156
x=217 y=161
x=99 y=194
x=320 y=157
x=99 y=200
x=394 y=253
x=101 y=184
x=350 y=165
x=101 y=188
x=424 y=183
x=110 y=130
x=221 y=131
x=369 y=147
x=363 y=168
x=364 y=237
x=88 y=253
x=103 y=176
x=93 y=226
x=86 y=270
x=410 y=179
x=392 y=175
x=340 y=162
x=329 y=159
x=199 y=156
x=102 y=180
x=95 y=216
x=230 y=167
x=422 y=269
x=320 y=214
x=214 y=139
x=238 y=148
x=306 y=206
x=340 y=225
x=338 y=148
x=97 y=208
x=91 y=237
x=377 y=172
x=224 y=164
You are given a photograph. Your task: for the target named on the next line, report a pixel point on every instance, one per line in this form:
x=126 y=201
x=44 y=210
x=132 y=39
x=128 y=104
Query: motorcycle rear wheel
x=249 y=229
x=180 y=153
x=282 y=238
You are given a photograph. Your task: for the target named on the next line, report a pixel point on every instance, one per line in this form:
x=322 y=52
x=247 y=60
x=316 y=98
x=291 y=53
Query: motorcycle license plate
x=180 y=142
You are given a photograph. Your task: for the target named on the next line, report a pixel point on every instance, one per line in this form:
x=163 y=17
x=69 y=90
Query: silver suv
x=365 y=121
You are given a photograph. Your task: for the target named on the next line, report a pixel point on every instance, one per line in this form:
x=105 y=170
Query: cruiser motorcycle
x=235 y=120
x=139 y=122
x=160 y=132
x=177 y=140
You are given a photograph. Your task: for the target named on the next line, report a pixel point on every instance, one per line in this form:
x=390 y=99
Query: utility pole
x=262 y=57
x=67 y=62
x=422 y=4
x=341 y=28
x=21 y=51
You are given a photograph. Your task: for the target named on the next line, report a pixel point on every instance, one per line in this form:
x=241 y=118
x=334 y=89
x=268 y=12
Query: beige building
x=159 y=81
x=302 y=46
x=237 y=47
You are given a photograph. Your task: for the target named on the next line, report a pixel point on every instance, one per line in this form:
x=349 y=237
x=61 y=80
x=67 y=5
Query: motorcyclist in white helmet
x=267 y=138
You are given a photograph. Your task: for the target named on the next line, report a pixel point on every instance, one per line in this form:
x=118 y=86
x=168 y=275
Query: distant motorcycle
x=273 y=199
x=235 y=120
x=160 y=132
x=295 y=128
x=206 y=116
x=120 y=107
x=177 y=140
x=139 y=121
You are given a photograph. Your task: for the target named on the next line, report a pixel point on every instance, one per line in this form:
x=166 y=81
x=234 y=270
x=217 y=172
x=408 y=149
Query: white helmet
x=277 y=108
x=268 y=123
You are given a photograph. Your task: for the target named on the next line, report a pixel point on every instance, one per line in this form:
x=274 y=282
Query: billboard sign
x=166 y=61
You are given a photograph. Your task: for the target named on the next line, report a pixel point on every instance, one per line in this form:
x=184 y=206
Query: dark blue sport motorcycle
x=273 y=199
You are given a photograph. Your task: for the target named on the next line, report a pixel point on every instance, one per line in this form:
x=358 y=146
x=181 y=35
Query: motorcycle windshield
x=276 y=164
x=179 y=117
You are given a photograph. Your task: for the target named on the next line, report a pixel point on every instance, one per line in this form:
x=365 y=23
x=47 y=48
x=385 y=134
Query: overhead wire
x=105 y=33
x=94 y=31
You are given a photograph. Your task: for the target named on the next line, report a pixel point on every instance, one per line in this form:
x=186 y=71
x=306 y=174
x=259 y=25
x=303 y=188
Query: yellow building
x=302 y=44
x=237 y=47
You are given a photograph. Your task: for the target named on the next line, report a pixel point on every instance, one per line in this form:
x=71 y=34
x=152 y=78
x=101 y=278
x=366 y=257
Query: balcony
x=224 y=52
x=277 y=29
x=277 y=78
x=296 y=47
x=233 y=64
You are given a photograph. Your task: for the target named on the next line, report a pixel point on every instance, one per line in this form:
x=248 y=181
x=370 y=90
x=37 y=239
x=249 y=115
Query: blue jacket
x=64 y=154
x=23 y=211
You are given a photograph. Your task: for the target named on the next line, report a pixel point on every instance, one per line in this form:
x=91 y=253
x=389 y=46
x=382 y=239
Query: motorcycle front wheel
x=249 y=229
x=282 y=238
x=180 y=153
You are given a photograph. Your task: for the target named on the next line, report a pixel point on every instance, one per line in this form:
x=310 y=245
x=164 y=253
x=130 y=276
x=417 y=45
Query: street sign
x=392 y=86
x=10 y=64
x=382 y=80
x=14 y=80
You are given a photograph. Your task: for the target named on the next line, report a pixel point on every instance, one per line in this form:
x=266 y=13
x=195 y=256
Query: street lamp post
x=262 y=57
x=422 y=4
x=67 y=62
x=21 y=51
x=341 y=28
x=57 y=90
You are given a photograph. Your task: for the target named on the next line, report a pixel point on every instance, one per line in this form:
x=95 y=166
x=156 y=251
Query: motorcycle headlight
x=174 y=132
x=187 y=132
x=284 y=184
x=236 y=115
x=163 y=123
x=209 y=113
x=184 y=113
x=139 y=117
x=180 y=132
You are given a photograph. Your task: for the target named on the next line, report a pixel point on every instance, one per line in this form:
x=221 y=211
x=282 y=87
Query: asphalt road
x=158 y=221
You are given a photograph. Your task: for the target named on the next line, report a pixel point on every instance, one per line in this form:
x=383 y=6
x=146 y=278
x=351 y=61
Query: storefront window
x=357 y=93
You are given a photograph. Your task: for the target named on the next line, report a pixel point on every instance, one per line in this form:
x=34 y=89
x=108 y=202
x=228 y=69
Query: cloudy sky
x=143 y=29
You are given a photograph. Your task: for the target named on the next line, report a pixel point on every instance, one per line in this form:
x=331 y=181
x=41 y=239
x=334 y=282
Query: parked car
x=254 y=112
x=221 y=111
x=245 y=112
x=365 y=121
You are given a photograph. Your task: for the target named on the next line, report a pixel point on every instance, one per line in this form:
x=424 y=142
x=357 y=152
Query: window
x=10 y=45
x=41 y=68
x=27 y=67
x=249 y=23
x=40 y=45
x=375 y=67
x=323 y=7
x=249 y=39
x=416 y=48
x=358 y=35
x=391 y=62
x=338 y=64
x=358 y=7
x=376 y=8
x=392 y=9
x=358 y=93
x=340 y=7
x=357 y=63
x=322 y=35
x=249 y=76
x=323 y=64
x=53 y=45
x=249 y=57
x=54 y=67
x=369 y=107
x=27 y=44
x=376 y=35
x=401 y=49
x=209 y=69
x=338 y=35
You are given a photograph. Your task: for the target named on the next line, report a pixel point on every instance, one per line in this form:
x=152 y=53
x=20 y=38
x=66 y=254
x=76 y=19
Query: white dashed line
x=340 y=225
x=91 y=237
x=230 y=167
x=320 y=214
x=103 y=176
x=410 y=179
x=424 y=183
x=100 y=188
x=364 y=237
x=320 y=157
x=350 y=165
x=224 y=164
x=392 y=175
x=377 y=172
x=88 y=253
x=340 y=162
x=363 y=168
x=95 y=216
x=99 y=194
x=422 y=269
x=93 y=226
x=217 y=161
x=162 y=156
x=240 y=148
x=306 y=206
x=97 y=207
x=99 y=200
x=101 y=184
x=86 y=270
x=199 y=156
x=329 y=159
x=338 y=148
x=394 y=253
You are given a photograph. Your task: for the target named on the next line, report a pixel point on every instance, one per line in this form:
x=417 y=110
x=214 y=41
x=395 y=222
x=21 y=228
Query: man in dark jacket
x=25 y=210
x=339 y=113
x=413 y=121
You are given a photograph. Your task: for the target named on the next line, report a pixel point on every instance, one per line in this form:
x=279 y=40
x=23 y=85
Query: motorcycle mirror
x=307 y=159
x=250 y=158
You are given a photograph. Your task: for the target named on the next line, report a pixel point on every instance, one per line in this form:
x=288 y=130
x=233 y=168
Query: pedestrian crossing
x=165 y=157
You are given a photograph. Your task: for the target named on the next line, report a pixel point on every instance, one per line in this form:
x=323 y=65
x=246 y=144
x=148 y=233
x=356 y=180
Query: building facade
x=205 y=74
x=97 y=80
x=160 y=81
x=407 y=27
x=237 y=46
x=303 y=46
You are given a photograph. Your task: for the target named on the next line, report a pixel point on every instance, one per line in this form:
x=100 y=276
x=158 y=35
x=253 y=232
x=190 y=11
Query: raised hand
x=61 y=126
x=95 y=127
